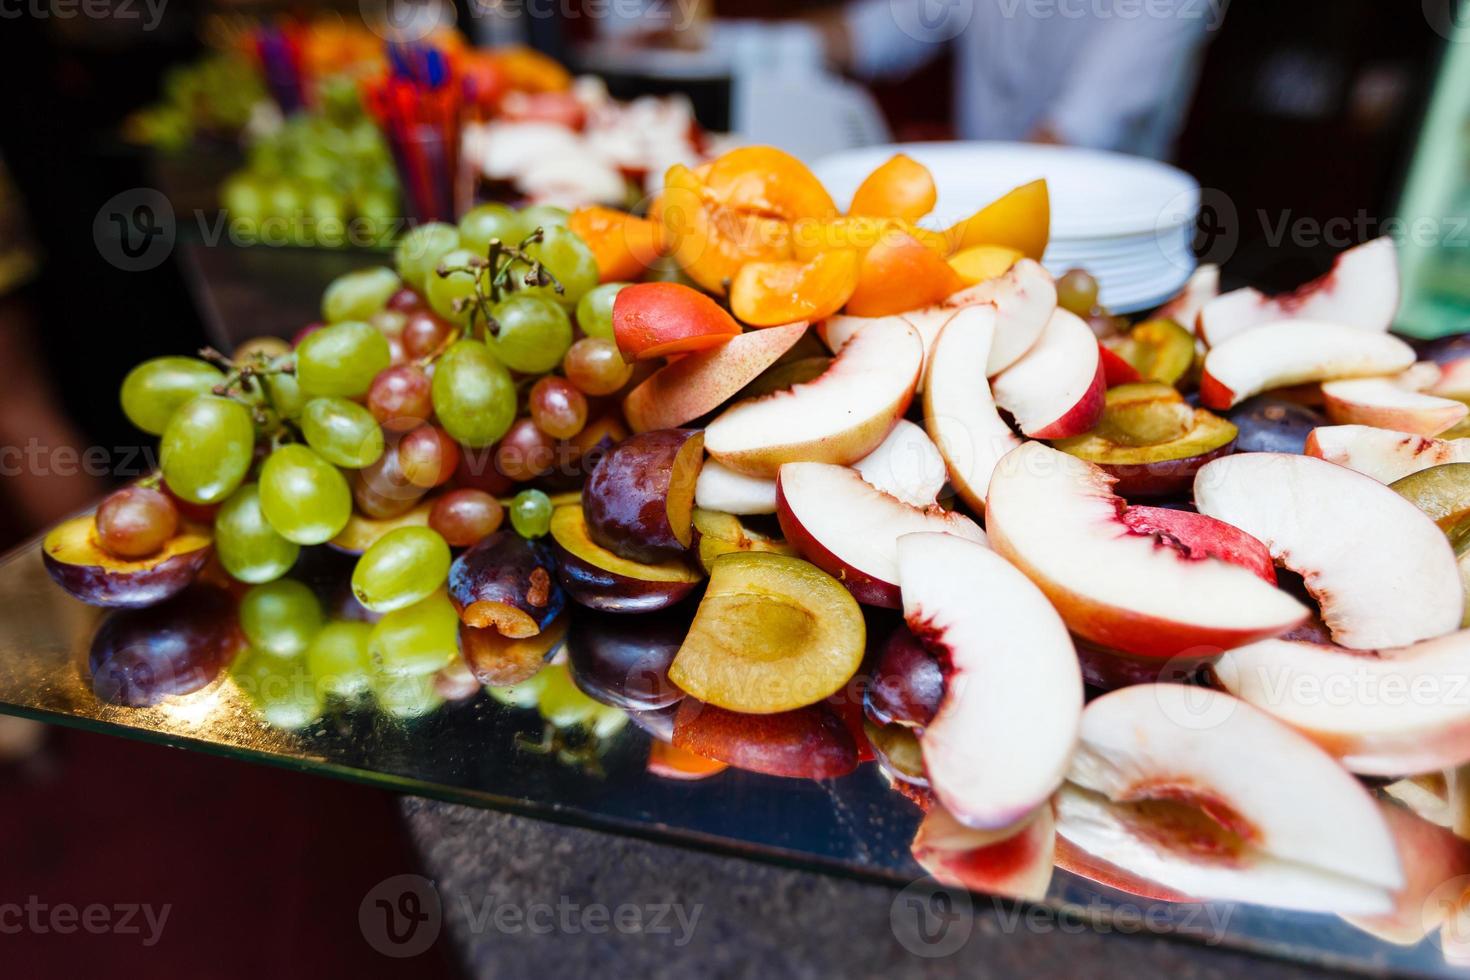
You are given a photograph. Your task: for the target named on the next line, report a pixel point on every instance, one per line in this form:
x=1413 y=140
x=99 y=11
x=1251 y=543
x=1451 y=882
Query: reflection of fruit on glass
x=624 y=661
x=140 y=657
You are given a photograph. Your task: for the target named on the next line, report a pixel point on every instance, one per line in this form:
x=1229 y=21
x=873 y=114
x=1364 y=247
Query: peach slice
x=1394 y=711
x=1292 y=352
x=772 y=634
x=656 y=319
x=1011 y=677
x=808 y=743
x=906 y=465
x=1020 y=219
x=765 y=294
x=1383 y=454
x=623 y=244
x=1299 y=506
x=1057 y=519
x=1432 y=857
x=899 y=188
x=1057 y=388
x=1151 y=440
x=722 y=534
x=839 y=417
x=1384 y=403
x=901 y=273
x=1208 y=796
x=1117 y=371
x=1016 y=862
x=1360 y=291
x=711 y=241
x=721 y=488
x=1453 y=381
x=844 y=526
x=601 y=579
x=697 y=384
x=1024 y=299
x=1184 y=309
x=959 y=412
x=981 y=263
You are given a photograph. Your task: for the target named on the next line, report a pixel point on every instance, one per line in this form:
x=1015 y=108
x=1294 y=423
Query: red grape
x=399 y=398
x=423 y=333
x=135 y=522
x=557 y=407
x=428 y=456
x=476 y=471
x=463 y=517
x=525 y=452
x=305 y=332
x=596 y=366
x=381 y=490
x=405 y=301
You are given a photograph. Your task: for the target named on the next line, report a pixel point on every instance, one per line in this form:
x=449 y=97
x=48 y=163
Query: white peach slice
x=1277 y=355
x=1381 y=713
x=1056 y=390
x=1360 y=291
x=1432 y=858
x=1015 y=862
x=1387 y=404
x=959 y=412
x=839 y=522
x=839 y=417
x=721 y=488
x=1383 y=454
x=906 y=465
x=1383 y=573
x=1011 y=679
x=1024 y=299
x=1184 y=309
x=1208 y=796
x=1128 y=589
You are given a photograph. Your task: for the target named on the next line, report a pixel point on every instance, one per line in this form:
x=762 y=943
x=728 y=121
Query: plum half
x=807 y=743
x=639 y=501
x=772 y=633
x=75 y=558
x=601 y=579
x=141 y=656
x=723 y=534
x=507 y=583
x=624 y=661
x=1152 y=440
x=497 y=660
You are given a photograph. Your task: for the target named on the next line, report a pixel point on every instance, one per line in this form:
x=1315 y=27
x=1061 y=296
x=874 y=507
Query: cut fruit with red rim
x=1276 y=355
x=1383 y=454
x=1386 y=404
x=1015 y=861
x=906 y=465
x=1057 y=519
x=1024 y=299
x=1056 y=389
x=1207 y=796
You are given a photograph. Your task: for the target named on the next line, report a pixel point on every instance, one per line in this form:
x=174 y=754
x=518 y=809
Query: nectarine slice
x=655 y=319
x=902 y=187
x=765 y=294
x=901 y=273
x=772 y=634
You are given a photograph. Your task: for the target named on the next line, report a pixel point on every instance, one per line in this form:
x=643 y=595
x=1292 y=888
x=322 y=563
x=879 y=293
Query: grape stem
x=502 y=260
x=241 y=379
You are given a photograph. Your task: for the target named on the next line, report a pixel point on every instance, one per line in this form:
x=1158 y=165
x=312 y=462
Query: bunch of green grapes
x=215 y=94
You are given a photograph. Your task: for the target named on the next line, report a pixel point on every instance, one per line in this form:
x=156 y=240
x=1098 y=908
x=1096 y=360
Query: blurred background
x=170 y=169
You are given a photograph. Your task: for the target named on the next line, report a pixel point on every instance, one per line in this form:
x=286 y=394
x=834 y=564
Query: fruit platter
x=828 y=535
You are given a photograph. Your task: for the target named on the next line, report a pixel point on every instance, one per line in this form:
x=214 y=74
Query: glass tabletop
x=477 y=749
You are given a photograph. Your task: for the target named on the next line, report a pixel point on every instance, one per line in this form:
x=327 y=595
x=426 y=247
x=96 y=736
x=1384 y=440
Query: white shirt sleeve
x=1131 y=85
x=892 y=37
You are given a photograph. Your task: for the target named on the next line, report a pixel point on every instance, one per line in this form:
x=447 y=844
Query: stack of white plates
x=1127 y=220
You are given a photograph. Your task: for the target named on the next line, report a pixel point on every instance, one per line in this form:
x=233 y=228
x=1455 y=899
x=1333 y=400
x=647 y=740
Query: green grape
x=406 y=696
x=207 y=448
x=338 y=658
x=473 y=395
x=533 y=334
x=244 y=197
x=417 y=639
x=284 y=391
x=481 y=224
x=280 y=617
x=567 y=258
x=607 y=721
x=421 y=250
x=358 y=295
x=443 y=292
x=248 y=547
x=305 y=498
x=282 y=690
x=522 y=695
x=562 y=703
x=530 y=513
x=543 y=216
x=595 y=309
x=153 y=390
x=343 y=432
x=404 y=566
x=341 y=359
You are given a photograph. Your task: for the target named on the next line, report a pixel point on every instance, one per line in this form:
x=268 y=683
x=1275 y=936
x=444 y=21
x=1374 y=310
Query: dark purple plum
x=507 y=583
x=907 y=683
x=639 y=501
x=1274 y=425
x=141 y=656
x=624 y=660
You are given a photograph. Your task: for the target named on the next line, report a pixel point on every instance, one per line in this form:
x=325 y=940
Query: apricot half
x=901 y=273
x=600 y=579
x=624 y=244
x=772 y=633
x=1151 y=440
x=902 y=187
x=77 y=561
x=655 y=319
x=711 y=240
x=1020 y=219
x=766 y=294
